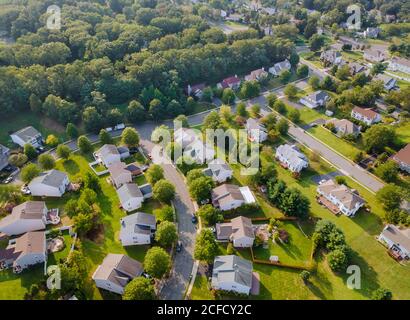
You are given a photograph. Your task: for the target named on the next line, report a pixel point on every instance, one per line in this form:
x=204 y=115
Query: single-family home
x=371 y=32
x=257 y=75
x=116 y=271
x=193 y=145
x=119 y=175
x=235 y=17
x=232 y=273
x=331 y=57
x=25 y=251
x=368 y=116
x=137 y=229
x=345 y=127
x=269 y=11
x=399 y=64
x=256 y=131
x=403 y=158
x=356 y=68
x=27 y=135
x=239 y=231
x=389 y=83
x=53 y=183
x=131 y=197
x=4 y=156
x=397 y=241
x=374 y=55
x=279 y=67
x=218 y=170
x=291 y=157
x=196 y=90
x=315 y=99
x=25 y=217
x=230 y=196
x=231 y=82
x=109 y=154
x=343 y=199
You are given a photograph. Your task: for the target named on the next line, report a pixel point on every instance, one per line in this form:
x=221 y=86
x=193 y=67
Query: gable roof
x=117 y=169
x=282 y=65
x=368 y=113
x=292 y=154
x=347 y=126
x=53 y=178
x=330 y=55
x=231 y=268
x=255 y=74
x=252 y=123
x=385 y=78
x=138 y=223
x=230 y=81
x=118 y=269
x=242 y=227
x=227 y=191
x=403 y=155
x=108 y=150
x=318 y=95
x=218 y=165
x=31 y=242
x=401 y=61
x=400 y=236
x=341 y=192
x=129 y=191
x=27 y=133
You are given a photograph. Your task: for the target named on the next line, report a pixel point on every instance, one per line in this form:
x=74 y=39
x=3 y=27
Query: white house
x=230 y=196
x=116 y=271
x=291 y=157
x=371 y=32
x=389 y=83
x=368 y=116
x=402 y=158
x=4 y=156
x=397 y=241
x=131 y=197
x=279 y=67
x=28 y=216
x=109 y=154
x=345 y=127
x=232 y=273
x=218 y=170
x=196 y=90
x=399 y=64
x=23 y=252
x=27 y=135
x=346 y=200
x=256 y=131
x=239 y=231
x=193 y=146
x=51 y=183
x=316 y=99
x=119 y=175
x=257 y=75
x=231 y=82
x=137 y=229
x=332 y=57
x=374 y=55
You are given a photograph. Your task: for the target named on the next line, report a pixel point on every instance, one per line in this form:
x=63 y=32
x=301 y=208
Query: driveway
x=316 y=179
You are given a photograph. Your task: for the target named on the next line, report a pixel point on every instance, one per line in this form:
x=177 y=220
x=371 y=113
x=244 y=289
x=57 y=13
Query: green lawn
x=403 y=132
x=200 y=290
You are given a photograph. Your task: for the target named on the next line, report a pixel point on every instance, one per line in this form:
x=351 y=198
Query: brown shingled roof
x=403 y=155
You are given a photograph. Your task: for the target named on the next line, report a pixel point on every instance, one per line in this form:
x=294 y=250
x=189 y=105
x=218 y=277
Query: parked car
x=179 y=246
x=40 y=149
x=25 y=190
x=133 y=150
x=119 y=126
x=146 y=275
x=194 y=219
x=8 y=179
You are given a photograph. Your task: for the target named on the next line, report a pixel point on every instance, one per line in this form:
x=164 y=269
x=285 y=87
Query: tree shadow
x=71 y=167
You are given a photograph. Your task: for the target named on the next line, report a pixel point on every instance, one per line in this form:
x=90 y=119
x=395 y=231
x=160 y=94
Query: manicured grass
x=200 y=290
x=14 y=286
x=352 y=55
x=23 y=119
x=202 y=106
x=403 y=133
x=308 y=115
x=342 y=146
x=296 y=252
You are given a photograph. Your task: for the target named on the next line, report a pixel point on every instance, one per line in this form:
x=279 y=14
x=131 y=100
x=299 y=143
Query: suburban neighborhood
x=204 y=150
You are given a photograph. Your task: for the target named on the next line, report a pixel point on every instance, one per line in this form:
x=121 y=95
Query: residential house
x=193 y=146
x=218 y=170
x=279 y=67
x=239 y=231
x=4 y=156
x=53 y=183
x=25 y=217
x=269 y=11
x=374 y=55
x=368 y=116
x=372 y=33
x=331 y=57
x=345 y=127
x=119 y=175
x=316 y=99
x=232 y=273
x=399 y=64
x=196 y=90
x=230 y=196
x=256 y=131
x=235 y=17
x=116 y=271
x=257 y=75
x=397 y=241
x=137 y=229
x=146 y=190
x=291 y=157
x=231 y=82
x=344 y=199
x=389 y=83
x=109 y=154
x=403 y=158
x=27 y=135
x=27 y=250
x=131 y=197
x=356 y=68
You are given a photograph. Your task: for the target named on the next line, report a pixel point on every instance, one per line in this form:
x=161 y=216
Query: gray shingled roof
x=27 y=133
x=129 y=191
x=53 y=178
x=232 y=268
